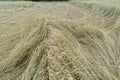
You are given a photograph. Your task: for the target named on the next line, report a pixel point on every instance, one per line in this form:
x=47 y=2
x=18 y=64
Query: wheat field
x=75 y=40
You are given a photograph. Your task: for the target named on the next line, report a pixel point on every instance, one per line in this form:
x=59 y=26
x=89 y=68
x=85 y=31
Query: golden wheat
x=59 y=41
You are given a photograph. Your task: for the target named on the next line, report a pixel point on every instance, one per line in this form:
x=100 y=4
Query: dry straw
x=39 y=43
